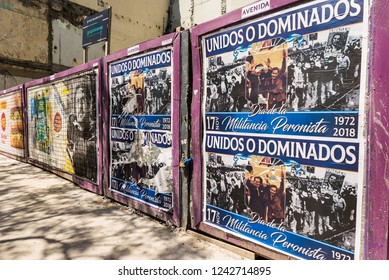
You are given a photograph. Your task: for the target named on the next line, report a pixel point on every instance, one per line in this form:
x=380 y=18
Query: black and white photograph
x=81 y=127
x=225 y=185
x=311 y=201
x=254 y=188
x=127 y=97
x=321 y=204
x=323 y=71
x=226 y=85
x=142 y=92
x=157 y=92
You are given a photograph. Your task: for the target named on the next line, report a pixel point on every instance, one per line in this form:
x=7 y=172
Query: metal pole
x=108 y=42
x=85 y=55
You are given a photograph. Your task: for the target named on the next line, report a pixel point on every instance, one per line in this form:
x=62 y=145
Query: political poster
x=141 y=128
x=62 y=124
x=283 y=108
x=12 y=129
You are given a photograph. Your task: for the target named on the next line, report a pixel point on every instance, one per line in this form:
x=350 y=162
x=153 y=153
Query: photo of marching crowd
x=254 y=188
x=321 y=204
x=142 y=92
x=137 y=161
x=310 y=201
x=226 y=86
x=324 y=72
x=314 y=72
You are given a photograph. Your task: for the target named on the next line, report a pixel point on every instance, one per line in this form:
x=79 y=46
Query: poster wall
x=12 y=129
x=282 y=129
x=62 y=124
x=141 y=128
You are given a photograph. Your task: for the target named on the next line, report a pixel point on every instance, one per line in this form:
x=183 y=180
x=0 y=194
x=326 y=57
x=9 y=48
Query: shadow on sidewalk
x=44 y=216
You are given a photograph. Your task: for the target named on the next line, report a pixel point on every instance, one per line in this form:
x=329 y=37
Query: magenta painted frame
x=95 y=188
x=377 y=185
x=21 y=89
x=174 y=41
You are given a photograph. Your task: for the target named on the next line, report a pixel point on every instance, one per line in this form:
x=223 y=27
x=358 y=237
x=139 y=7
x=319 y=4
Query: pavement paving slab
x=46 y=217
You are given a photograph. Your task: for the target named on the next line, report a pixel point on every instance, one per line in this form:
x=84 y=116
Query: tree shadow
x=44 y=216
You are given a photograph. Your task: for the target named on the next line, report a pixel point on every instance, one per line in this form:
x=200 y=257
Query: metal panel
x=64 y=126
x=12 y=128
x=142 y=111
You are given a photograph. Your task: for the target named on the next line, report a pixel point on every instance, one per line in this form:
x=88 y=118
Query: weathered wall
x=233 y=4
x=204 y=10
x=67 y=45
x=38 y=38
x=8 y=80
x=17 y=49
x=66 y=40
x=24 y=32
x=41 y=37
x=66 y=22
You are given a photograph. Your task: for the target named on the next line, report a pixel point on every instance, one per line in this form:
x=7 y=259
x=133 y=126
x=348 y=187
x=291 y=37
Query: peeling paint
x=378 y=122
x=5 y=5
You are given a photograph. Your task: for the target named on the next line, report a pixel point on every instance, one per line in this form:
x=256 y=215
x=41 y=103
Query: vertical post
x=108 y=42
x=85 y=55
x=377 y=204
x=185 y=88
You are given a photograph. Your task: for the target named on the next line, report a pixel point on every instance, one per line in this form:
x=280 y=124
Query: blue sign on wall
x=95 y=28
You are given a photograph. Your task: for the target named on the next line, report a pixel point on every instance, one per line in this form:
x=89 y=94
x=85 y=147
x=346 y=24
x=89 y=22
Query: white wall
x=67 y=45
x=187 y=13
x=205 y=10
x=236 y=4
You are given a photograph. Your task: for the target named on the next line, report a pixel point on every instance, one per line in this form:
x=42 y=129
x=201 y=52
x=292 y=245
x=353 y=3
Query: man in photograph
x=81 y=133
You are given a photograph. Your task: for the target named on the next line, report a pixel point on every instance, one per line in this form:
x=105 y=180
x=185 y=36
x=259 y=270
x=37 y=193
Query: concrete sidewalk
x=43 y=216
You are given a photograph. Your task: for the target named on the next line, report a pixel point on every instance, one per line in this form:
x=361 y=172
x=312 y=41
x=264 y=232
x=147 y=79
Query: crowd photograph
x=314 y=202
x=313 y=72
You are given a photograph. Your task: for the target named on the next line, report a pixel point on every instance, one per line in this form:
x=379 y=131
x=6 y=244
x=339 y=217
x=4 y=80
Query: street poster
x=62 y=124
x=283 y=114
x=12 y=129
x=141 y=129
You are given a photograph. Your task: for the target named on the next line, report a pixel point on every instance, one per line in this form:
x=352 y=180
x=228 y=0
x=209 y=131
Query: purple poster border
x=377 y=200
x=12 y=89
x=173 y=40
x=95 y=188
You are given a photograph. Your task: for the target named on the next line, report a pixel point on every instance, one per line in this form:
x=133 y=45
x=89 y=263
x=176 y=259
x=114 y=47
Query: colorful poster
x=12 y=131
x=141 y=132
x=283 y=136
x=62 y=124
